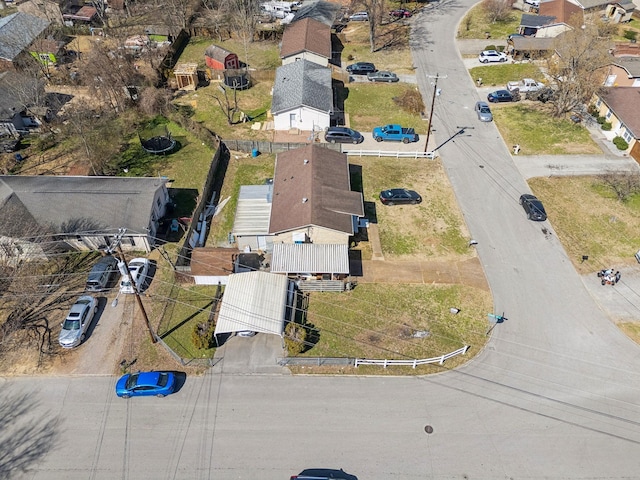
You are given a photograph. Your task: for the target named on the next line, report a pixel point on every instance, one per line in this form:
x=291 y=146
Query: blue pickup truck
x=394 y=133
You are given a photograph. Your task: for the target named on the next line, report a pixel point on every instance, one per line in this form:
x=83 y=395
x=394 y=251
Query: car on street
x=484 y=112
x=400 y=13
x=74 y=327
x=400 y=196
x=359 y=17
x=361 y=68
x=533 y=207
x=147 y=384
x=492 y=56
x=382 y=76
x=138 y=272
x=343 y=135
x=500 y=96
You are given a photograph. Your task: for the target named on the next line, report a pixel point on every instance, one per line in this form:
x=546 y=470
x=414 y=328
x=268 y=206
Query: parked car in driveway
x=138 y=272
x=492 y=56
x=144 y=384
x=484 y=112
x=382 y=76
x=102 y=273
x=343 y=135
x=359 y=17
x=533 y=207
x=77 y=322
x=361 y=68
x=400 y=13
x=500 y=96
x=400 y=196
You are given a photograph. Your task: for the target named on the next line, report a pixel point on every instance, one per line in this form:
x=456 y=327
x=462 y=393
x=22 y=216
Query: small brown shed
x=217 y=58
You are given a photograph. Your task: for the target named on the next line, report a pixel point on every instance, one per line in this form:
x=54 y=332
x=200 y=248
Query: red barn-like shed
x=217 y=58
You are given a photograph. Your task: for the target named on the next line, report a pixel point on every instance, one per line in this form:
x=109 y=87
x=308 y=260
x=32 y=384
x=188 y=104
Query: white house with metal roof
x=302 y=97
x=255 y=301
x=86 y=212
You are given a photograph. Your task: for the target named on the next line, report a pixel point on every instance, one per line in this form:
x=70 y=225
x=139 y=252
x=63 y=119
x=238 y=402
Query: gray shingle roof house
x=14 y=101
x=302 y=96
x=308 y=39
x=17 y=32
x=325 y=12
x=86 y=211
x=312 y=197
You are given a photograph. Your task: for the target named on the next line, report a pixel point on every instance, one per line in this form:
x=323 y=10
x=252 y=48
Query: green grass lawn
x=370 y=105
x=475 y=24
x=244 y=170
x=531 y=126
x=260 y=55
x=378 y=321
x=499 y=75
x=589 y=220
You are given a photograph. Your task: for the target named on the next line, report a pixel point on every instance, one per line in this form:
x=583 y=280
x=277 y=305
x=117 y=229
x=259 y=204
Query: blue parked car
x=500 y=96
x=141 y=384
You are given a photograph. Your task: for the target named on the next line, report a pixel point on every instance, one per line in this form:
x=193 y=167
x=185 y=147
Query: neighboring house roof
x=17 y=32
x=531 y=43
x=588 y=4
x=310 y=258
x=253 y=210
x=71 y=204
x=217 y=53
x=624 y=102
x=254 y=301
x=212 y=261
x=630 y=64
x=536 y=21
x=563 y=10
x=324 y=12
x=14 y=100
x=306 y=35
x=311 y=187
x=302 y=83
x=628 y=5
x=85 y=14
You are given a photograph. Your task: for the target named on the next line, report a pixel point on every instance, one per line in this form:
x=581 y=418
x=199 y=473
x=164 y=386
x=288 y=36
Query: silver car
x=77 y=322
x=484 y=112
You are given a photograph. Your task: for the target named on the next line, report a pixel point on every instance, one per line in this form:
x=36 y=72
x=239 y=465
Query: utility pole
x=124 y=269
x=433 y=102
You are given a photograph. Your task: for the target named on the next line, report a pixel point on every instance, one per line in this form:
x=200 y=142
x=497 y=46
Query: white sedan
x=492 y=56
x=138 y=269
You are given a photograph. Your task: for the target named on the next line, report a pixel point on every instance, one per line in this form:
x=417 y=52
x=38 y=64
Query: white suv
x=492 y=56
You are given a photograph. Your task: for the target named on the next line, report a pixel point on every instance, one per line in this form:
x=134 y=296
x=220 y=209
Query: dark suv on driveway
x=343 y=135
x=361 y=68
x=533 y=207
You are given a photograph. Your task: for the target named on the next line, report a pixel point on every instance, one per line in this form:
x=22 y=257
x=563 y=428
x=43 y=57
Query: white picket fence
x=412 y=363
x=386 y=153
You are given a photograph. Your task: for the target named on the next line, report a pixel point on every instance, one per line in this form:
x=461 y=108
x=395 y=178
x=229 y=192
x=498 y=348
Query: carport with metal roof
x=311 y=258
x=253 y=301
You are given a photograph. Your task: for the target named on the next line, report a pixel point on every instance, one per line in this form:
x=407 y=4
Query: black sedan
x=399 y=196
x=343 y=135
x=533 y=207
x=500 y=96
x=361 y=68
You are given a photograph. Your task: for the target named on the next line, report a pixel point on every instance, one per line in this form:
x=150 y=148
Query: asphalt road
x=554 y=395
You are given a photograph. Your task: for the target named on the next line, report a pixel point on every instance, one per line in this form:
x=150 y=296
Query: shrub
x=45 y=142
x=630 y=35
x=410 y=101
x=606 y=126
x=295 y=336
x=202 y=335
x=593 y=111
x=621 y=143
x=601 y=120
x=490 y=47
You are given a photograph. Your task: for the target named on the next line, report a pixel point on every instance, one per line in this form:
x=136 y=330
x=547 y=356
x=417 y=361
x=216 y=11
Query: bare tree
x=225 y=104
x=374 y=9
x=241 y=15
x=622 y=184
x=577 y=67
x=497 y=10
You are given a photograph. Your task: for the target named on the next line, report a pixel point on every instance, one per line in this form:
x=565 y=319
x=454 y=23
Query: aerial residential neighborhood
x=396 y=239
